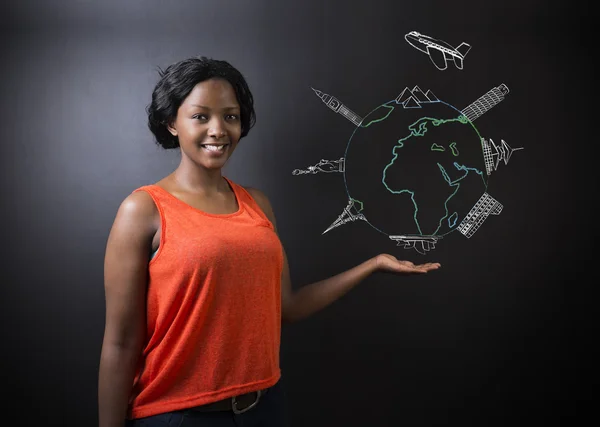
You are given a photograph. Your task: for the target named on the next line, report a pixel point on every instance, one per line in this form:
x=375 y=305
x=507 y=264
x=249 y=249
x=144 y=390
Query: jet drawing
x=439 y=51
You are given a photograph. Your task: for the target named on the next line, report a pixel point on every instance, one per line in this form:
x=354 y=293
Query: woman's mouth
x=215 y=149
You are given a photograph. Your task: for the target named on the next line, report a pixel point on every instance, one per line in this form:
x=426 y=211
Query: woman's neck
x=194 y=179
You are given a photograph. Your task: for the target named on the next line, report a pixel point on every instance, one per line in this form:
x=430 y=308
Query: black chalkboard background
x=497 y=337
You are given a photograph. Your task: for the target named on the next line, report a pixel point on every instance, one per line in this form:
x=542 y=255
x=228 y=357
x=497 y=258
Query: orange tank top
x=213 y=306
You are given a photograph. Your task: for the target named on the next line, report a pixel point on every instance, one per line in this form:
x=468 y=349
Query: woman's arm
x=311 y=298
x=125 y=281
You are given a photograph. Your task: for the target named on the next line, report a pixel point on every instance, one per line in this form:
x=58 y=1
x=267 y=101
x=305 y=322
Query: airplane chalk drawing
x=439 y=51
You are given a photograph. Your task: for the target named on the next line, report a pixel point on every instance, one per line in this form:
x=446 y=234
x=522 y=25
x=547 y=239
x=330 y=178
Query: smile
x=214 y=147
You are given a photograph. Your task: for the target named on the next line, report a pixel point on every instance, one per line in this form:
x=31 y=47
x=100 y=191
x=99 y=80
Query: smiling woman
x=196 y=278
x=208 y=124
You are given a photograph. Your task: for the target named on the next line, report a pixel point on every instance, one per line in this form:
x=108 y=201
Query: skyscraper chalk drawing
x=485 y=206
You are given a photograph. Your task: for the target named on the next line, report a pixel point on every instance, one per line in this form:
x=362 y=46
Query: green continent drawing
x=416 y=170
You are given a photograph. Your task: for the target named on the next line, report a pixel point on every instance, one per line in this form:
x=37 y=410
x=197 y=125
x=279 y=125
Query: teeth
x=214 y=147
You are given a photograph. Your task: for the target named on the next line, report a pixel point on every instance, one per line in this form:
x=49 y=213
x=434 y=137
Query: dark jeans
x=269 y=412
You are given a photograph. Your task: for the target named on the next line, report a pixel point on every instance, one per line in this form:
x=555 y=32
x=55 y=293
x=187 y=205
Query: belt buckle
x=247 y=408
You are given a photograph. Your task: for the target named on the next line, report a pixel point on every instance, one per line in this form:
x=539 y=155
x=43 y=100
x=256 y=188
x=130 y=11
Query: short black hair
x=175 y=84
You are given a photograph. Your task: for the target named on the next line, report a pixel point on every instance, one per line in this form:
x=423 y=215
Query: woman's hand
x=389 y=263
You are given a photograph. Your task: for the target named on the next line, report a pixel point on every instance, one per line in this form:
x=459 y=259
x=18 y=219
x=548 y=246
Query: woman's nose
x=217 y=129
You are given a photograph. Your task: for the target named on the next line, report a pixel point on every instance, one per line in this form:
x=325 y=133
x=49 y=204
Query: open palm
x=386 y=262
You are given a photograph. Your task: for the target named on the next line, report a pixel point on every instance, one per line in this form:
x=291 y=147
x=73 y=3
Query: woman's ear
x=171 y=128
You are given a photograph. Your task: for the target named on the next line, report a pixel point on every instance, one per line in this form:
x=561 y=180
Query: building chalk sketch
x=325 y=166
x=349 y=214
x=485 y=206
x=421 y=244
x=493 y=154
x=485 y=102
x=338 y=107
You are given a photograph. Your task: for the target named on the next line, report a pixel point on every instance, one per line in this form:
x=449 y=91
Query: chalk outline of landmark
x=349 y=214
x=439 y=51
x=493 y=153
x=339 y=164
x=485 y=102
x=413 y=98
x=336 y=106
x=485 y=206
x=419 y=243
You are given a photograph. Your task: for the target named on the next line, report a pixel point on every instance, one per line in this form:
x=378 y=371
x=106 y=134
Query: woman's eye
x=232 y=117
x=200 y=117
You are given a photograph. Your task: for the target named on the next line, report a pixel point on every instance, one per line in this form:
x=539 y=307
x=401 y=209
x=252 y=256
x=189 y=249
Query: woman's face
x=208 y=123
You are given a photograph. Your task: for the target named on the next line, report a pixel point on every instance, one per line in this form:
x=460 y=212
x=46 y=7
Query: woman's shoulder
x=138 y=207
x=259 y=196
x=255 y=193
x=262 y=200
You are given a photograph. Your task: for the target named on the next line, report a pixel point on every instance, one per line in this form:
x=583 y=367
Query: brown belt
x=237 y=404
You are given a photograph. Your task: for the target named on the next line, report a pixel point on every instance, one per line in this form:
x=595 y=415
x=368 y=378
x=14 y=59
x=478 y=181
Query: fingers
x=416 y=269
x=431 y=266
x=424 y=268
x=425 y=265
x=409 y=267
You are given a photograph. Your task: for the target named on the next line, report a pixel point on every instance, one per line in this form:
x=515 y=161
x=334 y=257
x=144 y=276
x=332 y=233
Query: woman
x=196 y=280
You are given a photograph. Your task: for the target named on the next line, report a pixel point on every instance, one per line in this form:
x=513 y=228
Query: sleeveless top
x=213 y=306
